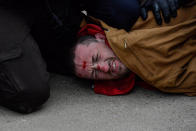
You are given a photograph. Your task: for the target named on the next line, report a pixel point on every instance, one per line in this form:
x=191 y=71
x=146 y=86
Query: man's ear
x=100 y=37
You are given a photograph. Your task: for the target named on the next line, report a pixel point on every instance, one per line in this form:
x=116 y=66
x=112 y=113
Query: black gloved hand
x=168 y=8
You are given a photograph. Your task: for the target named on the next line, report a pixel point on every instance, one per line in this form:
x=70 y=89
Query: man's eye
x=93 y=59
x=97 y=57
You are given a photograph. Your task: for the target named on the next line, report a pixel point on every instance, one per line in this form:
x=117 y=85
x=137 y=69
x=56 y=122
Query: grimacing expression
x=97 y=61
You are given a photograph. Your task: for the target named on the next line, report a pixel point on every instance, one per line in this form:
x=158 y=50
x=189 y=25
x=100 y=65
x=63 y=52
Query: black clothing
x=121 y=14
x=54 y=23
x=55 y=33
x=23 y=76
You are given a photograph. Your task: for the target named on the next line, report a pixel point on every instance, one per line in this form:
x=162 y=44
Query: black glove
x=168 y=8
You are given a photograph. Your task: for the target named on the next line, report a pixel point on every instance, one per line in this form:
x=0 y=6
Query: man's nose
x=103 y=66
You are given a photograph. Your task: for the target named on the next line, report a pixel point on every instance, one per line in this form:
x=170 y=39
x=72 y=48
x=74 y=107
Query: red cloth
x=109 y=87
x=92 y=29
x=115 y=87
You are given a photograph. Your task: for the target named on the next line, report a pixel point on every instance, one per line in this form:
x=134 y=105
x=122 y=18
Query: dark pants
x=23 y=76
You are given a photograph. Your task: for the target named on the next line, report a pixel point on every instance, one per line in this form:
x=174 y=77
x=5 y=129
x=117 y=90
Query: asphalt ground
x=73 y=106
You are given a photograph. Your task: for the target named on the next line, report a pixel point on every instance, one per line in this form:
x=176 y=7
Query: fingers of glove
x=165 y=10
x=172 y=7
x=144 y=13
x=156 y=12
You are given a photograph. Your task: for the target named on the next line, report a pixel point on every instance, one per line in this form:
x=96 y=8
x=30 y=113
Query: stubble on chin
x=124 y=70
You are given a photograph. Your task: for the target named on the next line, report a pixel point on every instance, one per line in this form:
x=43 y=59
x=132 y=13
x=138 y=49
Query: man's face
x=97 y=61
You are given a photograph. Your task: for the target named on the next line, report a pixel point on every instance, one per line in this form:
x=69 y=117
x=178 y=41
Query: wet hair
x=86 y=40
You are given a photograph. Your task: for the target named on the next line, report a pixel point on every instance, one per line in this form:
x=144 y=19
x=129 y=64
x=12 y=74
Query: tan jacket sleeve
x=164 y=56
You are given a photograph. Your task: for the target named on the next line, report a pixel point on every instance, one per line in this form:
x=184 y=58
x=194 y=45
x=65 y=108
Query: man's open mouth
x=113 y=66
